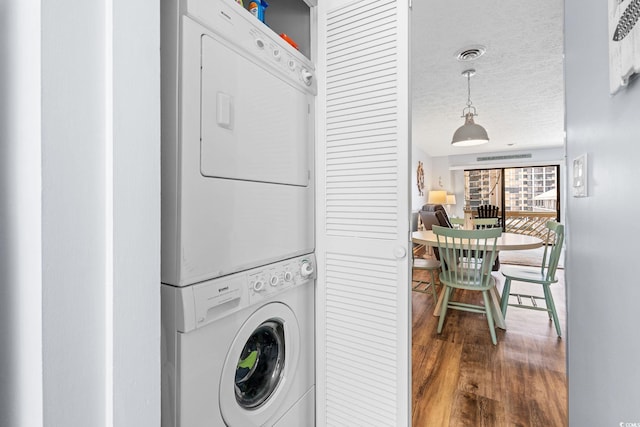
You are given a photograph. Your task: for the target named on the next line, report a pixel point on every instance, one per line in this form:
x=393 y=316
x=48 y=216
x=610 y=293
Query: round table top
x=506 y=242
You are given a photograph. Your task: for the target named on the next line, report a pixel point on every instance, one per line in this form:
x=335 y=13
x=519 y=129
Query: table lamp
x=437 y=197
x=451 y=200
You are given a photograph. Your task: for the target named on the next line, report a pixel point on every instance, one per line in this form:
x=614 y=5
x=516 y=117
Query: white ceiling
x=518 y=87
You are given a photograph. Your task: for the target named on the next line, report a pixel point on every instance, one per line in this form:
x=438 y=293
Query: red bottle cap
x=288 y=40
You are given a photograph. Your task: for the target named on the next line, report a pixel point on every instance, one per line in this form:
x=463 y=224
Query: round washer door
x=259 y=367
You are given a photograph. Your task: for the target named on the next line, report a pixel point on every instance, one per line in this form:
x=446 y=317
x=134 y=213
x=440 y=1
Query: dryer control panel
x=248 y=35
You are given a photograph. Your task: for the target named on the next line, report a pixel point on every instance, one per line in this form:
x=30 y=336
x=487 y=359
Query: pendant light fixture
x=470 y=133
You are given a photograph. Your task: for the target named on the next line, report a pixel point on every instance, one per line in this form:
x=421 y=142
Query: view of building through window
x=482 y=187
x=531 y=189
x=525 y=189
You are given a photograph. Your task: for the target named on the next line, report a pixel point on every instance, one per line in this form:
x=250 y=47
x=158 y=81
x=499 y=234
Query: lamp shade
x=469 y=133
x=451 y=199
x=437 y=197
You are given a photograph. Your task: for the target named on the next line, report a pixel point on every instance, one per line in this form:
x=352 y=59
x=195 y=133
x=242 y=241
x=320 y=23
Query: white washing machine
x=239 y=351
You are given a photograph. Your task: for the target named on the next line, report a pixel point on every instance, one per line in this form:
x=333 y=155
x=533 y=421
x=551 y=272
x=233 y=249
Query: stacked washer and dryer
x=238 y=267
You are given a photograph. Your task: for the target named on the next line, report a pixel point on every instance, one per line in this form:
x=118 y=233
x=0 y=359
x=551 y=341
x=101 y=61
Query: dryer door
x=255 y=125
x=258 y=370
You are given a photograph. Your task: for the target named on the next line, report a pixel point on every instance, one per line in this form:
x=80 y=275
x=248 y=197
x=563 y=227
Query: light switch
x=580 y=176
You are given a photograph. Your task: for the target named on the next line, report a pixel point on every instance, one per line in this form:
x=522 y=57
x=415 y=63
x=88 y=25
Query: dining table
x=506 y=242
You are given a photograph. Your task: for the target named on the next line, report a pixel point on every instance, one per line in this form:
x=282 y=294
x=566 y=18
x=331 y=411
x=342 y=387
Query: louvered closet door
x=363 y=304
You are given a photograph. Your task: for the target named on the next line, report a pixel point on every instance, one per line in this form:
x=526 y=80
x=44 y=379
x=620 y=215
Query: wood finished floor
x=461 y=379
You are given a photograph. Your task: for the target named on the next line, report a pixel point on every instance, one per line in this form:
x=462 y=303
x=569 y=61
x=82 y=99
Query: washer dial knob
x=258 y=286
x=306 y=269
x=288 y=276
x=306 y=76
x=274 y=281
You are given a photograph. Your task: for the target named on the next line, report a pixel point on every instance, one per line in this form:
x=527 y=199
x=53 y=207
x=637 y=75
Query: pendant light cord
x=469 y=89
x=469 y=109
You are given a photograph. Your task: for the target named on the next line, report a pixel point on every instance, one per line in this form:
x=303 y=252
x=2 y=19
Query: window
x=515 y=191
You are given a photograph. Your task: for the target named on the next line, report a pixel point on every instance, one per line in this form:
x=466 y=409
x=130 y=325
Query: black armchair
x=434 y=215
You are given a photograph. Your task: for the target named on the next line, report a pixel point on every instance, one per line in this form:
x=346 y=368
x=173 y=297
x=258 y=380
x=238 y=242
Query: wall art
x=420 y=179
x=624 y=42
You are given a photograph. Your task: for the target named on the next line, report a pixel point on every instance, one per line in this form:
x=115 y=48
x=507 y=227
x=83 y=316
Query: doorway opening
x=457 y=372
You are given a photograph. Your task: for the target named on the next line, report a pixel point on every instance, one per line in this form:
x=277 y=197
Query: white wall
x=80 y=195
x=20 y=218
x=74 y=212
x=601 y=266
x=136 y=213
x=452 y=181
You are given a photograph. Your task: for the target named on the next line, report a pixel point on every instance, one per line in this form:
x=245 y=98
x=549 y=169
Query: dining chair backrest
x=457 y=222
x=552 y=250
x=488 y=211
x=468 y=254
x=481 y=223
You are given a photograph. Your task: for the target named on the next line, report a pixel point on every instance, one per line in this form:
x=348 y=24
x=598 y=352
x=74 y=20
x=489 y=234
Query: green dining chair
x=419 y=263
x=544 y=276
x=482 y=223
x=432 y=266
x=467 y=257
x=457 y=222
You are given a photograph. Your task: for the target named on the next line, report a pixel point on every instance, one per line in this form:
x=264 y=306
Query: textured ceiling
x=518 y=87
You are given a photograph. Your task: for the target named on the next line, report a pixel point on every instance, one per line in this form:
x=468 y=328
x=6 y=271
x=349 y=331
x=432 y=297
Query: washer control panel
x=272 y=279
x=203 y=303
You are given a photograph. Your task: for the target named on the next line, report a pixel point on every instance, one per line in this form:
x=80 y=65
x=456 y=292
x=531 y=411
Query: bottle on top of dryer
x=257 y=7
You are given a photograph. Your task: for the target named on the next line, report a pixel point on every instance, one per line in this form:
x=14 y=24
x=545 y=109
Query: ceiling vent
x=507 y=157
x=470 y=53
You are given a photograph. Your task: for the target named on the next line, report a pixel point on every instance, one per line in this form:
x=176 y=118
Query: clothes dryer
x=239 y=350
x=237 y=143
